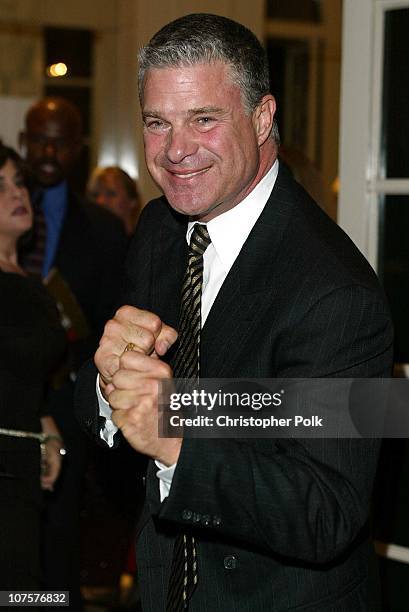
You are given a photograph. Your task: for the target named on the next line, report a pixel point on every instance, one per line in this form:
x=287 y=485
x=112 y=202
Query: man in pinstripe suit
x=279 y=524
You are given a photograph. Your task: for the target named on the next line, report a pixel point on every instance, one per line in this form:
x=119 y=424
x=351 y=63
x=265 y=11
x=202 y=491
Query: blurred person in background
x=32 y=342
x=113 y=188
x=75 y=246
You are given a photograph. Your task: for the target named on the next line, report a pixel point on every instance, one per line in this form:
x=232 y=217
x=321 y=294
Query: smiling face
x=201 y=147
x=15 y=209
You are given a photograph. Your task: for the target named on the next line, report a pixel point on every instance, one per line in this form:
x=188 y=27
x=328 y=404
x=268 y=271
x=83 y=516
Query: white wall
x=14 y=109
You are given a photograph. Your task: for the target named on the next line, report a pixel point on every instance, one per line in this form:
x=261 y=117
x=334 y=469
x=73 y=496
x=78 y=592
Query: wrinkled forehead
x=218 y=71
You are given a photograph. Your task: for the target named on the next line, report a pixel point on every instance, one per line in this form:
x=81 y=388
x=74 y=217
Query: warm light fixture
x=57 y=70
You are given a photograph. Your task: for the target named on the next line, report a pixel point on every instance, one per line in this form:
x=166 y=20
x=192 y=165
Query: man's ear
x=263 y=117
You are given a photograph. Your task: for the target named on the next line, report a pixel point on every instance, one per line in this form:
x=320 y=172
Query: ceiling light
x=57 y=70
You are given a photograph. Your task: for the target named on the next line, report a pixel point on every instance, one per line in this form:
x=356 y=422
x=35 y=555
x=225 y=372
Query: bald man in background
x=85 y=245
x=75 y=230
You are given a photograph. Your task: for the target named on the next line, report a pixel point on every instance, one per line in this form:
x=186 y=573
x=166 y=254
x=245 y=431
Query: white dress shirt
x=228 y=233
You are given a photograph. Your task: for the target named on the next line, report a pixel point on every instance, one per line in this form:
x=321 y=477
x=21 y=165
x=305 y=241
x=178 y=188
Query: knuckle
x=164 y=370
x=124 y=311
x=128 y=402
x=170 y=332
x=102 y=342
x=145 y=338
x=173 y=335
x=153 y=386
x=118 y=402
x=129 y=360
x=101 y=360
x=155 y=323
x=109 y=329
x=116 y=379
x=145 y=406
x=123 y=360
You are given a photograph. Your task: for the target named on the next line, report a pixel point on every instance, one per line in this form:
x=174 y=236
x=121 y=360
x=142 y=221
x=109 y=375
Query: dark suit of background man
x=86 y=245
x=279 y=524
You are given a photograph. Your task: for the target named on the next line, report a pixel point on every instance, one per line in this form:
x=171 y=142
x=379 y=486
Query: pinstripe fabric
x=183 y=578
x=299 y=302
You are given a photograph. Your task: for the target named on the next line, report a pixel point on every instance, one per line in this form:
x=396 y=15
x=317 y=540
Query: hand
x=50 y=464
x=144 y=329
x=52 y=459
x=134 y=401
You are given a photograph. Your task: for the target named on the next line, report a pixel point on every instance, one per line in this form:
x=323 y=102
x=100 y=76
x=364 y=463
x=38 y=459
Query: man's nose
x=100 y=199
x=49 y=148
x=180 y=144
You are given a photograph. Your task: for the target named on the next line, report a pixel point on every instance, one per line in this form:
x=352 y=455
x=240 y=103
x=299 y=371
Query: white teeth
x=186 y=176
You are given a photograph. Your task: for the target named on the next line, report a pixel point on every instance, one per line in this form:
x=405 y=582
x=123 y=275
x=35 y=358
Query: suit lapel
x=170 y=255
x=244 y=294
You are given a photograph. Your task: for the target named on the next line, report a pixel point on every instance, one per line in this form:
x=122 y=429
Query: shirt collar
x=229 y=231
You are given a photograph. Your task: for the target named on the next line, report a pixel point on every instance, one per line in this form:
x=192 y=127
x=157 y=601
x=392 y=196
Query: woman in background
x=31 y=344
x=114 y=189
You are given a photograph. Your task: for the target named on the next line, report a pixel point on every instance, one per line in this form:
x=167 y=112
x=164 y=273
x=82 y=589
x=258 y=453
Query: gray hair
x=204 y=38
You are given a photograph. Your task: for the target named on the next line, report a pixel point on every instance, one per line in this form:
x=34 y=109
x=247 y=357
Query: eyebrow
x=151 y=114
x=203 y=110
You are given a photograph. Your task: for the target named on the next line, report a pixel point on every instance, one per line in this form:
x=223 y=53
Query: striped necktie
x=183 y=577
x=187 y=359
x=32 y=261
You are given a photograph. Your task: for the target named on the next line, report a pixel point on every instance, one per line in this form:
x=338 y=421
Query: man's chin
x=187 y=203
x=188 y=208
x=49 y=180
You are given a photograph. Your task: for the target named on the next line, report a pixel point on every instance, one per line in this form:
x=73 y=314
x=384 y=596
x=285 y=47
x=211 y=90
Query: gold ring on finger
x=129 y=347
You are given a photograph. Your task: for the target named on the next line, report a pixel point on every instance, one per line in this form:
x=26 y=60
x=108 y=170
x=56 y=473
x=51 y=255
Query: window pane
x=395 y=120
x=394 y=266
x=300 y=10
x=289 y=78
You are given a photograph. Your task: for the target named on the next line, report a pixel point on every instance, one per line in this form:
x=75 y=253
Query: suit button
x=230 y=562
x=187 y=515
x=196 y=517
x=206 y=520
x=217 y=521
